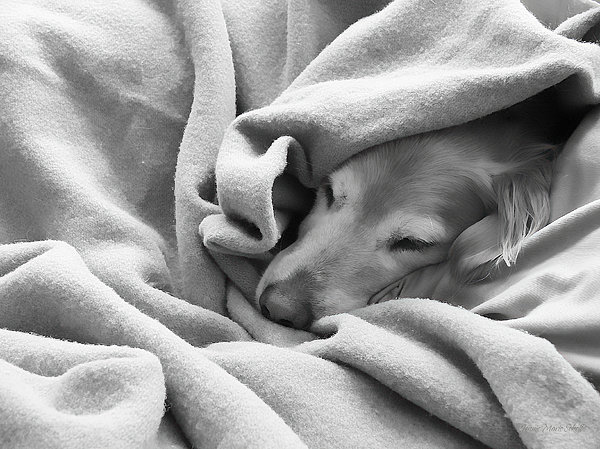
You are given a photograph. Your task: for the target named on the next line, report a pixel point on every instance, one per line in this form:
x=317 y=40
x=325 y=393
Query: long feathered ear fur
x=522 y=196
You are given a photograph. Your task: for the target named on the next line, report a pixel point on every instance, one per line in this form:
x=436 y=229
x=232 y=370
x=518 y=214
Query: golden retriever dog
x=469 y=195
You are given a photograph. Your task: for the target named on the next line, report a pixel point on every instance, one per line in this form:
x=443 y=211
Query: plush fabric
x=137 y=213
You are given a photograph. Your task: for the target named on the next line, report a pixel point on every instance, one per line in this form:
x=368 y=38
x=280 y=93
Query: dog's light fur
x=469 y=195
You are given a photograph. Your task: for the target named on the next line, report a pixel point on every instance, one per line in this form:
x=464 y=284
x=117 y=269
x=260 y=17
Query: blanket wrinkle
x=314 y=412
x=137 y=214
x=293 y=33
x=453 y=391
x=58 y=384
x=87 y=310
x=524 y=358
x=212 y=110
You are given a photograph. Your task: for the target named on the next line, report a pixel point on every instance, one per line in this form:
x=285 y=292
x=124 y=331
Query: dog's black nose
x=284 y=309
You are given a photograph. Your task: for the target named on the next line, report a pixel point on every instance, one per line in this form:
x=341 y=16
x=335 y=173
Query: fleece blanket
x=152 y=154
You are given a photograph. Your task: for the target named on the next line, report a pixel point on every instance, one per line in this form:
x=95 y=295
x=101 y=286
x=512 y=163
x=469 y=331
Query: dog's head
x=468 y=194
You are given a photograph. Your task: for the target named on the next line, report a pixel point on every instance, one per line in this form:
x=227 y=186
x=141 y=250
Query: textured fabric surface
x=143 y=146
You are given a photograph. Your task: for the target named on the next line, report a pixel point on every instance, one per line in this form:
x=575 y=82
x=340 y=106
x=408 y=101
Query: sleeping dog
x=467 y=196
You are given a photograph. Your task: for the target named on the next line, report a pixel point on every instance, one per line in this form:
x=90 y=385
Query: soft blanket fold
x=118 y=133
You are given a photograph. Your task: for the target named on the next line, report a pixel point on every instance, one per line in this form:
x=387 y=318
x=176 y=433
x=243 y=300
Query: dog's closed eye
x=407 y=244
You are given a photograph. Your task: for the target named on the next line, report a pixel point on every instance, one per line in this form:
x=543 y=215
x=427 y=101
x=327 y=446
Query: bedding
x=153 y=153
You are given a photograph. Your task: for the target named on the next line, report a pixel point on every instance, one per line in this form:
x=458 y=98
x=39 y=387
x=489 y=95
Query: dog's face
x=385 y=213
x=382 y=215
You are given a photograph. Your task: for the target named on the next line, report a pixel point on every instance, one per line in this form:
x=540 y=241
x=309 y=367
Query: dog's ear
x=522 y=197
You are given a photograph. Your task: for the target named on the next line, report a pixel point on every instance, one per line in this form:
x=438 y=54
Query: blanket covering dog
x=118 y=118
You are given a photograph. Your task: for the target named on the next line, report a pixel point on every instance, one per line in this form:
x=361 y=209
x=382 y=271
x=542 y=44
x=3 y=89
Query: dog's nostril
x=262 y=301
x=286 y=323
x=265 y=311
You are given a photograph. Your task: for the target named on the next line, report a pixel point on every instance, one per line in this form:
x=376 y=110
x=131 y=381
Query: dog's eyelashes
x=328 y=190
x=408 y=244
